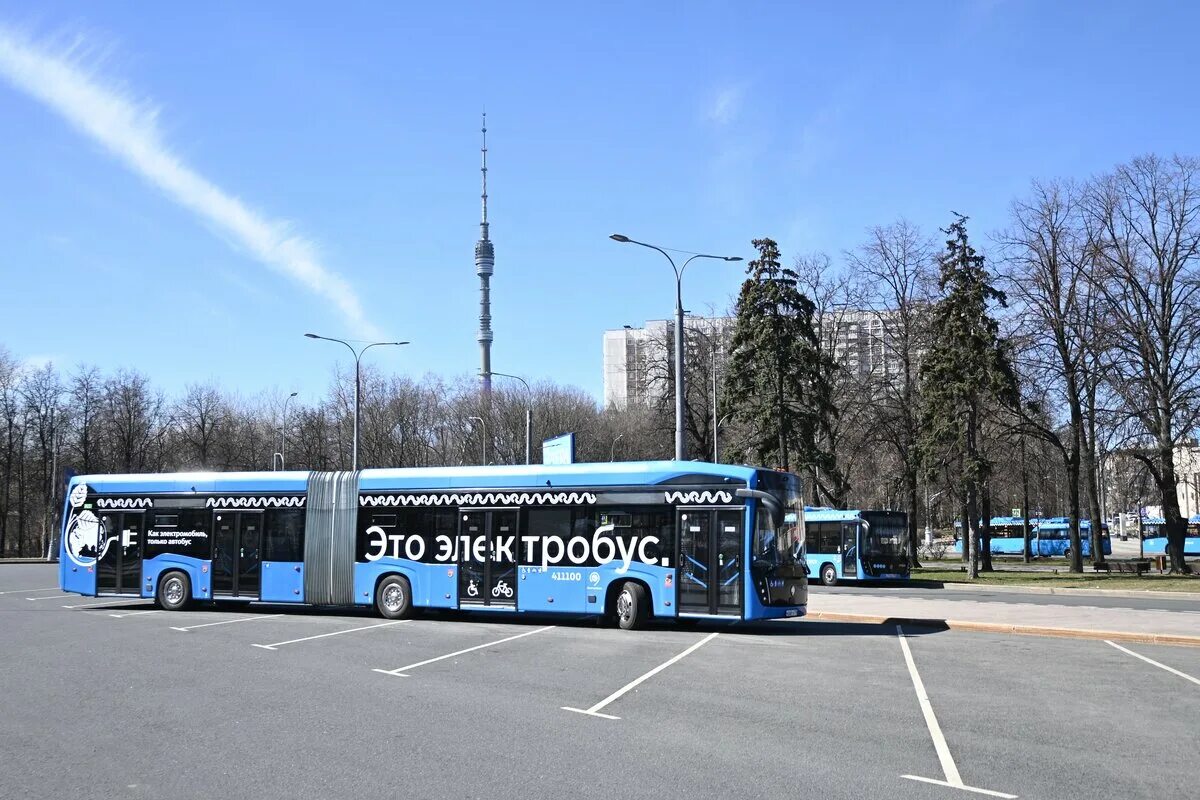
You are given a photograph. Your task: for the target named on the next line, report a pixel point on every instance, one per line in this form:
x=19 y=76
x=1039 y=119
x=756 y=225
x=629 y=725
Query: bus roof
x=1061 y=523
x=473 y=477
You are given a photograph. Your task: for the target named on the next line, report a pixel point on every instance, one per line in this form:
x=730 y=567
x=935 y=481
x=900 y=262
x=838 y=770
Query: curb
x=1065 y=590
x=997 y=627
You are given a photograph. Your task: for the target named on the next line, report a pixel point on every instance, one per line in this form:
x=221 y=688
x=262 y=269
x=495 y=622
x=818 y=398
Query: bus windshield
x=790 y=534
x=885 y=542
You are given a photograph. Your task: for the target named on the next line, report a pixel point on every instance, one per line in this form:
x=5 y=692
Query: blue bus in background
x=1054 y=538
x=1154 y=536
x=1008 y=536
x=1047 y=537
x=856 y=545
x=628 y=541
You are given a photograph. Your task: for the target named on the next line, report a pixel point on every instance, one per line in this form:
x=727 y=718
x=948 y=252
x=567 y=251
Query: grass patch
x=1064 y=580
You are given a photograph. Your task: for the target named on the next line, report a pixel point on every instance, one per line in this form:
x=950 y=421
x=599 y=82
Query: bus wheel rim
x=393 y=597
x=625 y=605
x=174 y=590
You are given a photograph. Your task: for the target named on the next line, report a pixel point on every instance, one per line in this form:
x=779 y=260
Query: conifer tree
x=776 y=387
x=966 y=369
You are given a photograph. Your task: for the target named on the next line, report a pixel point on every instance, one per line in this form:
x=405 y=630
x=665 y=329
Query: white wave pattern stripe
x=480 y=499
x=123 y=502
x=692 y=498
x=255 y=502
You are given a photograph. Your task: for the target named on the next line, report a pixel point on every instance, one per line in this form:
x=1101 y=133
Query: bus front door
x=709 y=572
x=487 y=542
x=850 y=549
x=119 y=553
x=237 y=554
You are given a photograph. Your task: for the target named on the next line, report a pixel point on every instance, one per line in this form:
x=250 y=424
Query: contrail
x=128 y=129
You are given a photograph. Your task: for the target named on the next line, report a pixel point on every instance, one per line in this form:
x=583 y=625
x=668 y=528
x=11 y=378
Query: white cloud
x=128 y=129
x=724 y=105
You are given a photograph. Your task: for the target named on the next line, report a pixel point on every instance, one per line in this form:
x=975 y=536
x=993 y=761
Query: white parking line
x=1172 y=670
x=399 y=672
x=137 y=613
x=953 y=779
x=595 y=710
x=30 y=591
x=105 y=603
x=187 y=628
x=277 y=645
x=59 y=596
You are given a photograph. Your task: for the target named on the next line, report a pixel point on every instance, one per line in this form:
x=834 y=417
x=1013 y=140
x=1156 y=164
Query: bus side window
x=812 y=537
x=283 y=534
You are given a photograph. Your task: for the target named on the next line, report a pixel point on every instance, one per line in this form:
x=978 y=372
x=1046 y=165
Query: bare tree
x=1145 y=228
x=199 y=415
x=899 y=269
x=1046 y=260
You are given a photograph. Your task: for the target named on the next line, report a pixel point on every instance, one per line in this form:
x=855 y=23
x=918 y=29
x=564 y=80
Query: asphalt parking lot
x=112 y=699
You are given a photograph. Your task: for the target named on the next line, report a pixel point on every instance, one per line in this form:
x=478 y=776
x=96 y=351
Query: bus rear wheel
x=829 y=575
x=174 y=591
x=393 y=597
x=631 y=606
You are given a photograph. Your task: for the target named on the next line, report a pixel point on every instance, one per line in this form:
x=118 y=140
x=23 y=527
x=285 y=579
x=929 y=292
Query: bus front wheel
x=393 y=597
x=829 y=575
x=631 y=606
x=174 y=591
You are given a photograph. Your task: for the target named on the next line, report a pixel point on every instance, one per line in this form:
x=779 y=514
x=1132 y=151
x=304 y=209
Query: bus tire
x=828 y=575
x=174 y=591
x=393 y=597
x=631 y=606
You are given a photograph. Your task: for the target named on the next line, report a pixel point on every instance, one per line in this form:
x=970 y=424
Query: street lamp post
x=528 y=410
x=929 y=499
x=612 y=455
x=680 y=446
x=482 y=425
x=357 y=379
x=283 y=433
x=716 y=427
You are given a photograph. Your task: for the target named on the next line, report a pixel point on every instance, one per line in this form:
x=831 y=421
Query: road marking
x=1172 y=670
x=595 y=710
x=30 y=591
x=187 y=628
x=277 y=645
x=105 y=603
x=964 y=787
x=49 y=597
x=136 y=613
x=399 y=672
x=953 y=779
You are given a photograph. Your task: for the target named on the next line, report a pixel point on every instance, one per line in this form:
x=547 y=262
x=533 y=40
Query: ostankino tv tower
x=485 y=262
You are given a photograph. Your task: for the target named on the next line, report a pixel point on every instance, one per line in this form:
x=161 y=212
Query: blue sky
x=188 y=189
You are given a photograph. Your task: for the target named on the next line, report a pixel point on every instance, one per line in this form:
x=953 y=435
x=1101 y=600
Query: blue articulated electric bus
x=1154 y=536
x=1054 y=538
x=627 y=540
x=856 y=545
x=1008 y=536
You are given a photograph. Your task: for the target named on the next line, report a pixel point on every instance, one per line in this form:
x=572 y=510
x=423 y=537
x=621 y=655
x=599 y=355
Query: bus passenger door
x=119 y=558
x=850 y=549
x=729 y=562
x=237 y=554
x=487 y=573
x=502 y=565
x=472 y=558
x=710 y=565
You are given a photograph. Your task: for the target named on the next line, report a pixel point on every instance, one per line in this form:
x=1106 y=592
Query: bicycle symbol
x=472 y=589
x=502 y=588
